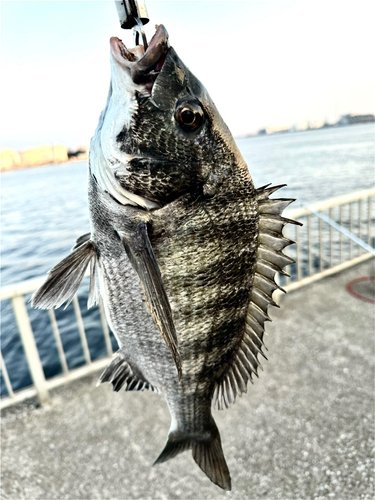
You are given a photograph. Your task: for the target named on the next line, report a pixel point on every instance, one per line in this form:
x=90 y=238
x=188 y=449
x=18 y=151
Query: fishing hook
x=133 y=14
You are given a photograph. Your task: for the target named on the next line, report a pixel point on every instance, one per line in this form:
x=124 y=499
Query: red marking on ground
x=351 y=284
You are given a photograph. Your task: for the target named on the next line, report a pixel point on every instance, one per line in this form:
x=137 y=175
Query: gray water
x=45 y=209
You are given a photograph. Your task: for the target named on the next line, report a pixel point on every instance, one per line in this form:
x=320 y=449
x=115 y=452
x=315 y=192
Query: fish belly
x=138 y=337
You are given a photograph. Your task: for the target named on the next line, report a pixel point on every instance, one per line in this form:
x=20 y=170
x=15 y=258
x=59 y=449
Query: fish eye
x=189 y=116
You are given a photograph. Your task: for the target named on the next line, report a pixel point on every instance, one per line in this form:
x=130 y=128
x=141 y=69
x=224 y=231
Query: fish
x=183 y=249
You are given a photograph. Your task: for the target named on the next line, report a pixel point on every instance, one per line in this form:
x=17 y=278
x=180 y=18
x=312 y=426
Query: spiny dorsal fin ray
x=262 y=299
x=267 y=285
x=270 y=261
x=274 y=240
x=255 y=330
x=264 y=192
x=279 y=219
x=275 y=207
x=268 y=269
x=64 y=279
x=273 y=256
x=120 y=372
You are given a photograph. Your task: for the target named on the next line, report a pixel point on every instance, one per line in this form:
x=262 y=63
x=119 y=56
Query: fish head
x=160 y=135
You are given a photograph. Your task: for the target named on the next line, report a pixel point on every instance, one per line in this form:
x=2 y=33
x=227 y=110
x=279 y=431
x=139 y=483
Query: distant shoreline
x=85 y=157
x=26 y=167
x=299 y=131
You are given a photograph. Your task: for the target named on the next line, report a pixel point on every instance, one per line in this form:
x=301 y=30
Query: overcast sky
x=263 y=63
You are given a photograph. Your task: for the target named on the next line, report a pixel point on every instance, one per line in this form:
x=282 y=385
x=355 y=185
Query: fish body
x=183 y=249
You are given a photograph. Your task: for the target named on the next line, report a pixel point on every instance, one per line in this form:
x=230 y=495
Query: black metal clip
x=133 y=14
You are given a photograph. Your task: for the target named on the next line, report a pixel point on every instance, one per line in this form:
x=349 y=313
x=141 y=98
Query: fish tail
x=175 y=444
x=207 y=453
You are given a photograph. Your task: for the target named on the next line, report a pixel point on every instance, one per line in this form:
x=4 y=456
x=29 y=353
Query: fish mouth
x=143 y=66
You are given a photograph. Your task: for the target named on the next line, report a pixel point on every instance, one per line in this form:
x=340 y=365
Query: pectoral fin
x=64 y=279
x=141 y=255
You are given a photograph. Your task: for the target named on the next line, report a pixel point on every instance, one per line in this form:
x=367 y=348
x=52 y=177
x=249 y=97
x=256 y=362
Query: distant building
x=273 y=129
x=9 y=159
x=81 y=153
x=262 y=131
x=43 y=155
x=353 y=119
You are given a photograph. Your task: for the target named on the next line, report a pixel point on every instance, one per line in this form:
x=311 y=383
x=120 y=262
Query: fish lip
x=143 y=66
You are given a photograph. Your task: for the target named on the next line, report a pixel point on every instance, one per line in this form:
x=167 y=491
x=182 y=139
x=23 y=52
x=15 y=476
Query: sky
x=264 y=63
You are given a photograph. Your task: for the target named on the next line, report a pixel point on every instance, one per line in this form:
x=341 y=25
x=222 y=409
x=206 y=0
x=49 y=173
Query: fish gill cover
x=178 y=226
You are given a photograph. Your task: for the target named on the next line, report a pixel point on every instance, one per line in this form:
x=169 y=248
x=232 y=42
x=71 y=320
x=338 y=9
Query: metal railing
x=336 y=234
x=41 y=385
x=328 y=242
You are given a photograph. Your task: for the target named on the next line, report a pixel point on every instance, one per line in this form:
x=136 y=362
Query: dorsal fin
x=270 y=260
x=120 y=372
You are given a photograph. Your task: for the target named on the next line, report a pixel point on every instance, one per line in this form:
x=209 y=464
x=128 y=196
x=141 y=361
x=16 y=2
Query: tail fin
x=207 y=453
x=210 y=458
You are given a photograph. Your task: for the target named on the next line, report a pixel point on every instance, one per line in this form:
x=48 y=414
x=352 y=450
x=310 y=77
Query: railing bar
x=360 y=206
x=59 y=345
x=298 y=242
x=331 y=239
x=30 y=348
x=81 y=329
x=6 y=376
x=328 y=272
x=309 y=244
x=351 y=230
x=107 y=337
x=288 y=279
x=346 y=232
x=341 y=242
x=295 y=213
x=369 y=220
x=320 y=245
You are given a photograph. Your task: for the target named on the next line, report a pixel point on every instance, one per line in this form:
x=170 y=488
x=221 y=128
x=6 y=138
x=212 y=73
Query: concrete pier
x=304 y=430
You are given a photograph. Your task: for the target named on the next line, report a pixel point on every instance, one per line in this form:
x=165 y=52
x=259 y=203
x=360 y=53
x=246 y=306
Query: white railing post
x=31 y=351
x=105 y=328
x=369 y=220
x=81 y=329
x=331 y=239
x=60 y=348
x=7 y=381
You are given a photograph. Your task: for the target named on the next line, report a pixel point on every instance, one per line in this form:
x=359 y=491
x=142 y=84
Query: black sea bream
x=183 y=249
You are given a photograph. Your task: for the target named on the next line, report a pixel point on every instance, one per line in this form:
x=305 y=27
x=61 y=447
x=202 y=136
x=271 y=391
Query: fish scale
x=183 y=249
x=212 y=223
